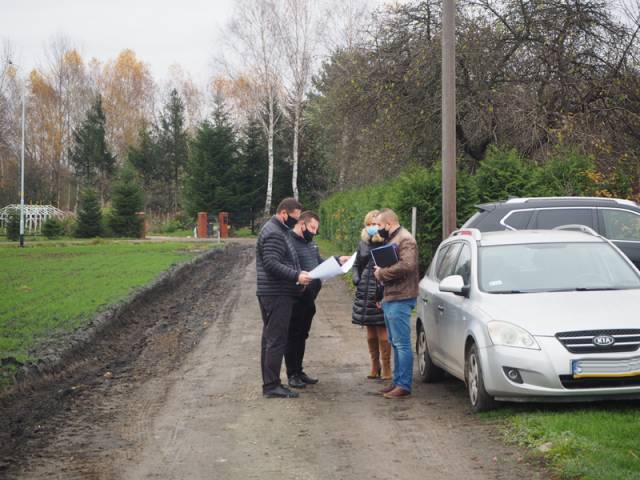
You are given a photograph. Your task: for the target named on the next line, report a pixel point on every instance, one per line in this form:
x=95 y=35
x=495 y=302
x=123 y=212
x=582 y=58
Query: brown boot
x=387 y=389
x=385 y=355
x=375 y=358
x=397 y=393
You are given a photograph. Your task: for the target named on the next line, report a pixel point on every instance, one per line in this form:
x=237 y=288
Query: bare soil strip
x=177 y=412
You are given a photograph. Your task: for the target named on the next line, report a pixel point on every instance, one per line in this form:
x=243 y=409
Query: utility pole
x=448 y=117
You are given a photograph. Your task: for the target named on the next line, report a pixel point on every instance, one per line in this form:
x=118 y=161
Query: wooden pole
x=448 y=117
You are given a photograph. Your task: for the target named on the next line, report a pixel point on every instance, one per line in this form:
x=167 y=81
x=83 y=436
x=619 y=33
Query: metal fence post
x=414 y=215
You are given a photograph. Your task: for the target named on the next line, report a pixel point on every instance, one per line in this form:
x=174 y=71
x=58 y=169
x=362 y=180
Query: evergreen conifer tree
x=13 y=225
x=173 y=143
x=211 y=176
x=52 y=228
x=127 y=201
x=93 y=163
x=144 y=156
x=89 y=215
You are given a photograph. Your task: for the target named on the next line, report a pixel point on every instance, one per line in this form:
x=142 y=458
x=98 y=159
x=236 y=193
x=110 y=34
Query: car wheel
x=428 y=371
x=480 y=400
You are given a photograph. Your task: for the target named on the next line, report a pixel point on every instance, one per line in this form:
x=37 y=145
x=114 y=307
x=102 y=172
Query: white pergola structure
x=34 y=216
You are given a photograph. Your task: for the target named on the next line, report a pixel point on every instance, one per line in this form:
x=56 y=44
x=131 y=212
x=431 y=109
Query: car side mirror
x=454 y=284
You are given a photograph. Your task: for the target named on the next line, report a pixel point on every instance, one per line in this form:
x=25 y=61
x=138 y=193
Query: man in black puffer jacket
x=280 y=280
x=304 y=307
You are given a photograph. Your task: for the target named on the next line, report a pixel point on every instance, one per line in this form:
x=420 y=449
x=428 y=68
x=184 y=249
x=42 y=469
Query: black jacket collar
x=397 y=230
x=297 y=237
x=275 y=220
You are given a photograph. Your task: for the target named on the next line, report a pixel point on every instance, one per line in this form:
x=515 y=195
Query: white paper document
x=331 y=268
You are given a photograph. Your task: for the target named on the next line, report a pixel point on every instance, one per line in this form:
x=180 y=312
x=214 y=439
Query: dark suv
x=615 y=219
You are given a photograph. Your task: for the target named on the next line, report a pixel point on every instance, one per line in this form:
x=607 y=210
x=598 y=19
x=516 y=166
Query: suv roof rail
x=471 y=232
x=620 y=201
x=578 y=228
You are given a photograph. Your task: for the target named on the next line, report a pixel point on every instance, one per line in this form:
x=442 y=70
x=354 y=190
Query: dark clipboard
x=385 y=256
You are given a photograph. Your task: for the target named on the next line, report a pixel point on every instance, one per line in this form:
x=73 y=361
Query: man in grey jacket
x=280 y=280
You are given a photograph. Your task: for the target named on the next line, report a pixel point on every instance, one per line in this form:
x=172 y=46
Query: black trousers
x=304 y=308
x=276 y=315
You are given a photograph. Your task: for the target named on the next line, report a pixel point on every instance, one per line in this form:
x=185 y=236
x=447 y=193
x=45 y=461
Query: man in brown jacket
x=400 y=282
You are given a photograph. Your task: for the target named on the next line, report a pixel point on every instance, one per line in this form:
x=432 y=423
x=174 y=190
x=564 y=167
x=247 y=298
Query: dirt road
x=203 y=416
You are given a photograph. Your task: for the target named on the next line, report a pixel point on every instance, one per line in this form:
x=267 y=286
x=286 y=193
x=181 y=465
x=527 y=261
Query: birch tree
x=127 y=89
x=8 y=103
x=298 y=28
x=252 y=39
x=66 y=75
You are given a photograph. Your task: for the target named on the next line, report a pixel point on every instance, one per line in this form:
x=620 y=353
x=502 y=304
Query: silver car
x=531 y=316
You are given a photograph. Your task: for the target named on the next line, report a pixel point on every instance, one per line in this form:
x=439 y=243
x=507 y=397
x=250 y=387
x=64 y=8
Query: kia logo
x=603 y=340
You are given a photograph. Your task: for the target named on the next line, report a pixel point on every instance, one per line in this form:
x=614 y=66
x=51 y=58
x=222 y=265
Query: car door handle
x=425 y=299
x=441 y=308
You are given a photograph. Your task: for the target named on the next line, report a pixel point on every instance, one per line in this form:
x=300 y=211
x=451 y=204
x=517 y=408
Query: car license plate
x=609 y=368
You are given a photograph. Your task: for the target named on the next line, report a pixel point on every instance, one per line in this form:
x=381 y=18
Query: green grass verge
x=329 y=249
x=175 y=233
x=599 y=441
x=55 y=288
x=244 y=232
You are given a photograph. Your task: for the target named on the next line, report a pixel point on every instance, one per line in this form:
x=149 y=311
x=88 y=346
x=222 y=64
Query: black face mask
x=384 y=233
x=290 y=221
x=308 y=236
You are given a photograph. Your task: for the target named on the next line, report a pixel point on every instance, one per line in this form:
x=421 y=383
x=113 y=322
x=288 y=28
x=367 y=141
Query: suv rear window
x=518 y=220
x=554 y=217
x=621 y=225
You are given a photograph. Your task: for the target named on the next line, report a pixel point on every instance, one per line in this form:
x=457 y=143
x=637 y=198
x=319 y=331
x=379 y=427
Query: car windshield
x=552 y=267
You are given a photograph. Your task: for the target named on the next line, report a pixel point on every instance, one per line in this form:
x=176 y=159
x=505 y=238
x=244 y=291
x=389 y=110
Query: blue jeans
x=397 y=318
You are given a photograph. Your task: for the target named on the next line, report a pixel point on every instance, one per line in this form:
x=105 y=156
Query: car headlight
x=507 y=334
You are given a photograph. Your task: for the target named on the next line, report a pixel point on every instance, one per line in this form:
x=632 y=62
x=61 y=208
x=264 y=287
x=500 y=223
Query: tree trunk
x=270 y=132
x=343 y=156
x=68 y=193
x=75 y=203
x=175 y=189
x=296 y=132
x=102 y=182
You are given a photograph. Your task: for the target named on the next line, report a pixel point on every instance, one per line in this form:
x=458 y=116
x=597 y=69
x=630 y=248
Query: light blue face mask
x=372 y=230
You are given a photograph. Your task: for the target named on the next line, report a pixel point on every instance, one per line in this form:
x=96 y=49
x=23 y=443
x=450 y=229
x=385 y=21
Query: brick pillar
x=202 y=224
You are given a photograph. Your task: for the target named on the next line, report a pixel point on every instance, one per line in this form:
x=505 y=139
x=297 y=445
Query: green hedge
x=343 y=213
x=502 y=174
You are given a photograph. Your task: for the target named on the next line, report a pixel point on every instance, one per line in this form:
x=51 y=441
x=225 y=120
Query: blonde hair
x=368 y=219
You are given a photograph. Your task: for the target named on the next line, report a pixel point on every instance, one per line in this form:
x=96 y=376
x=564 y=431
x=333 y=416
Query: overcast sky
x=160 y=32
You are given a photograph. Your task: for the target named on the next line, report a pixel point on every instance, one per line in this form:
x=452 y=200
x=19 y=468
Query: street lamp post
x=22 y=176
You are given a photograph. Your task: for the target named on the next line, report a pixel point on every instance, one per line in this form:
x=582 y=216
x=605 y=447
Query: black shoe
x=307 y=379
x=279 y=392
x=296 y=382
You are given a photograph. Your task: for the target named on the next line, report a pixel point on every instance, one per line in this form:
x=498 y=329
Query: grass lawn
x=582 y=441
x=175 y=233
x=55 y=287
x=328 y=249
